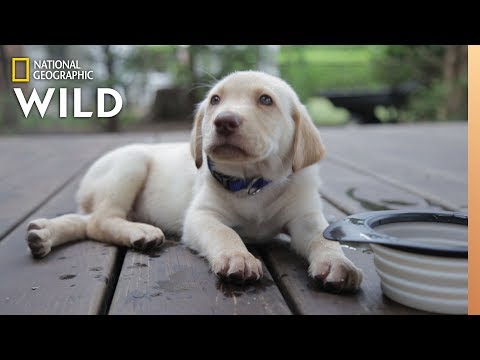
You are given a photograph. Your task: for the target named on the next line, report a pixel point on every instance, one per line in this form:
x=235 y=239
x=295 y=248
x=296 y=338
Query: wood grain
x=305 y=297
x=36 y=168
x=427 y=160
x=439 y=146
x=174 y=280
x=369 y=168
x=355 y=192
x=73 y=279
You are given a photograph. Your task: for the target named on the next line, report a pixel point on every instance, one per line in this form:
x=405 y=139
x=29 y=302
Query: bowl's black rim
x=360 y=228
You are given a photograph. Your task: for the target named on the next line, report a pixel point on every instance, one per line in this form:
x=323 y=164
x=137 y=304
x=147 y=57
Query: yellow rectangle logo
x=27 y=69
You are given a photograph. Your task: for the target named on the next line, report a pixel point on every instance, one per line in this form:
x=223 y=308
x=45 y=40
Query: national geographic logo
x=60 y=70
x=26 y=77
x=49 y=70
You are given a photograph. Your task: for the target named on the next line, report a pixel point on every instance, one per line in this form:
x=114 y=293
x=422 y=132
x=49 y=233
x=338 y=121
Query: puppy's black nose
x=226 y=123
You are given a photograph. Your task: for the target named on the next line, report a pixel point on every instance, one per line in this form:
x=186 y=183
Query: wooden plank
x=27 y=188
x=429 y=184
x=428 y=160
x=305 y=297
x=354 y=192
x=73 y=279
x=18 y=154
x=174 y=280
x=441 y=148
x=331 y=212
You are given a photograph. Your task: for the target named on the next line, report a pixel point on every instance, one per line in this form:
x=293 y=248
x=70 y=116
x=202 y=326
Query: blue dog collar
x=234 y=184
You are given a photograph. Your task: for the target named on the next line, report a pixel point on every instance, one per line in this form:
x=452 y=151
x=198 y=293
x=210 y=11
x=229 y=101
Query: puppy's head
x=251 y=116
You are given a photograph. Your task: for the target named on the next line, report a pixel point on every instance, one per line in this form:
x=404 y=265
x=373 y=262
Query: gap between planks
x=305 y=297
x=174 y=280
x=76 y=278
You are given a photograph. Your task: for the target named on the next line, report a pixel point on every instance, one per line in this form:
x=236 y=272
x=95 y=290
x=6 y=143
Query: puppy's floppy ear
x=307 y=145
x=196 y=136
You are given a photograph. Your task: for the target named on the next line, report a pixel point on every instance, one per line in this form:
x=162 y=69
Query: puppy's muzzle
x=226 y=123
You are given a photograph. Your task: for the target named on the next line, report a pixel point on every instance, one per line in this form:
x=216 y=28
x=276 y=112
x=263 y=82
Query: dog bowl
x=420 y=256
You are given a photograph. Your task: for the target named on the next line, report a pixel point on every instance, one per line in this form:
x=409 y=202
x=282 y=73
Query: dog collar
x=234 y=184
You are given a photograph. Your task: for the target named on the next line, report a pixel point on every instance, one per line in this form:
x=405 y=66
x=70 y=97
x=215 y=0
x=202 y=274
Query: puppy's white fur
x=131 y=194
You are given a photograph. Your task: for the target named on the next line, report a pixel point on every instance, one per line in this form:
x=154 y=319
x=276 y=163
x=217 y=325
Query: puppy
x=253 y=175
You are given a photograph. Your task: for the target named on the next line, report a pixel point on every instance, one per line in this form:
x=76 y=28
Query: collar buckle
x=252 y=189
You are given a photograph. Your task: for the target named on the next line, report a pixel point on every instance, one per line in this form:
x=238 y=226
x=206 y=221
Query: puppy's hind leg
x=107 y=193
x=114 y=193
x=44 y=234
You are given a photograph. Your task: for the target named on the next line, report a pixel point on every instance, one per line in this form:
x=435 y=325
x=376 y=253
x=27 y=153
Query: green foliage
x=234 y=58
x=202 y=65
x=424 y=103
x=312 y=69
x=323 y=112
x=426 y=65
x=199 y=66
x=150 y=58
x=394 y=64
x=386 y=114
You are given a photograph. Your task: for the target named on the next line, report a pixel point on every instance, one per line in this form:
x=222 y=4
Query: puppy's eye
x=215 y=100
x=265 y=100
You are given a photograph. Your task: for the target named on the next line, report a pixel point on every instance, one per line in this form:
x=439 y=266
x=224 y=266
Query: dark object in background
x=362 y=103
x=172 y=104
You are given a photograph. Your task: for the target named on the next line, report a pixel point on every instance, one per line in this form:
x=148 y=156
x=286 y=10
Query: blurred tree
x=441 y=71
x=138 y=65
x=145 y=58
x=8 y=109
x=146 y=63
x=199 y=66
x=455 y=77
x=59 y=52
x=111 y=123
x=6 y=105
x=195 y=69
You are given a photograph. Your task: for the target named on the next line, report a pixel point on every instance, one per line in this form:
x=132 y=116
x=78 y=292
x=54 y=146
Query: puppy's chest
x=257 y=220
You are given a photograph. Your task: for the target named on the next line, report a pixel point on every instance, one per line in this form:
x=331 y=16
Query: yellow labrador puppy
x=253 y=175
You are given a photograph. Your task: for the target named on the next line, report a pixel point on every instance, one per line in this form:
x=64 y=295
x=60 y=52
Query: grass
x=336 y=54
x=312 y=69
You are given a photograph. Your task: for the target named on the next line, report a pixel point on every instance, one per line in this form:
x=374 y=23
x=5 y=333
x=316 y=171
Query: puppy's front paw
x=39 y=237
x=237 y=266
x=336 y=272
x=145 y=237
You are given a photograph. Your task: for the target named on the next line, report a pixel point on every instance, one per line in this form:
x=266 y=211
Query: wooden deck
x=367 y=168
